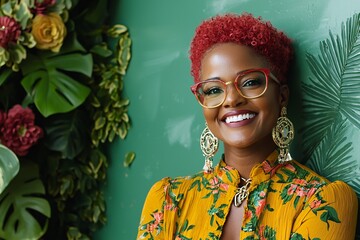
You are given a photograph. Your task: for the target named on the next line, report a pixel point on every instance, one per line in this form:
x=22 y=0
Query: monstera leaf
x=65 y=133
x=23 y=207
x=9 y=167
x=50 y=78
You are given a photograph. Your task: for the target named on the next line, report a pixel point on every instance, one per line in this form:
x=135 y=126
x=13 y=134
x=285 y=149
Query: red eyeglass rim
x=267 y=72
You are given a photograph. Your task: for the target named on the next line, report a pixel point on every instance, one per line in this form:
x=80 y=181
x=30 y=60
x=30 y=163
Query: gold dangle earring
x=283 y=134
x=209 y=145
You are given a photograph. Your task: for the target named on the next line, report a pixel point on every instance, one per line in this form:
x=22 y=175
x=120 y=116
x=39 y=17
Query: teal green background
x=166 y=120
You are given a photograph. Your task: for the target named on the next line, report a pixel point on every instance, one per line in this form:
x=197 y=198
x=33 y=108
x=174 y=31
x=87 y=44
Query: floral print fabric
x=286 y=201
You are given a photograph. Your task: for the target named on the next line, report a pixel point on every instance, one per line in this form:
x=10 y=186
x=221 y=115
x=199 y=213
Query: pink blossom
x=168 y=206
x=300 y=192
x=158 y=216
x=315 y=204
x=291 y=189
x=300 y=181
x=262 y=194
x=224 y=186
x=9 y=31
x=311 y=192
x=214 y=181
x=19 y=132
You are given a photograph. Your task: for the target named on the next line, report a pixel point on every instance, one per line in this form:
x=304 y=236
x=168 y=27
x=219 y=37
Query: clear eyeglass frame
x=267 y=73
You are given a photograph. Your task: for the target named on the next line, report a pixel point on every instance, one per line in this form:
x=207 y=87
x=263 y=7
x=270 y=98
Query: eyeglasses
x=250 y=84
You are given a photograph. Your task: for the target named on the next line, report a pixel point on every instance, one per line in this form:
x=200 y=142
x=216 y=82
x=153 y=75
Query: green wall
x=166 y=120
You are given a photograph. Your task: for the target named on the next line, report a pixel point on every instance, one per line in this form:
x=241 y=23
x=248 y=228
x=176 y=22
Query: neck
x=244 y=159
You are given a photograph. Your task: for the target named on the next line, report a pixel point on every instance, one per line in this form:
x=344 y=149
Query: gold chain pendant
x=242 y=193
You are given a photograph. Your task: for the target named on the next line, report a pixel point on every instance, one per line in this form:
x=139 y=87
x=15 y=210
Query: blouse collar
x=260 y=172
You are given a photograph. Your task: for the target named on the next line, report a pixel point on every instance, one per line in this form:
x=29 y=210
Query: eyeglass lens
x=212 y=93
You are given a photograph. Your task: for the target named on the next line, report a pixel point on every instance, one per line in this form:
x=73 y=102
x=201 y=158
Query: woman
x=257 y=191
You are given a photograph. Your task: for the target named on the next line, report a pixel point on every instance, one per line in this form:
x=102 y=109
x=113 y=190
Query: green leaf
x=66 y=133
x=124 y=53
x=332 y=106
x=329 y=214
x=4 y=75
x=49 y=78
x=9 y=166
x=25 y=212
x=129 y=159
x=116 y=30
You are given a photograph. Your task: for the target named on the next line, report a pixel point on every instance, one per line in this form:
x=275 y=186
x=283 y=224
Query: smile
x=239 y=118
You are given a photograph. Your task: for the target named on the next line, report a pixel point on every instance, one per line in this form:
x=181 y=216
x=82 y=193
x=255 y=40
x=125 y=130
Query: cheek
x=209 y=115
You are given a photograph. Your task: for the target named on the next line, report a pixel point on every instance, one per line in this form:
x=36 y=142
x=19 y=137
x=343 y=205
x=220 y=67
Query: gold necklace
x=242 y=192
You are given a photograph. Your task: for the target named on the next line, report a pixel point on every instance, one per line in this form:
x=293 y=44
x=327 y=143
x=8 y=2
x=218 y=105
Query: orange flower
x=49 y=31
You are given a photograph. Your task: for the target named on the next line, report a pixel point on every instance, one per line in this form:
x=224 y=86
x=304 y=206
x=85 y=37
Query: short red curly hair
x=243 y=29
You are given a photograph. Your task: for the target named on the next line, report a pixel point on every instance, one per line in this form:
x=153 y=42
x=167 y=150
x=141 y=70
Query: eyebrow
x=218 y=78
x=212 y=78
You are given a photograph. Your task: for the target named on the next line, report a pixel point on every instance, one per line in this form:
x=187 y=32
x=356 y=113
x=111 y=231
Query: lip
x=235 y=113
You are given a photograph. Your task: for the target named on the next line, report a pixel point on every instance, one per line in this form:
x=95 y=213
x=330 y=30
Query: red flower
x=19 y=133
x=42 y=6
x=2 y=118
x=9 y=31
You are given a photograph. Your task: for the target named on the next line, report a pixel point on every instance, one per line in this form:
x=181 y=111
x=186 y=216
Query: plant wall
x=60 y=101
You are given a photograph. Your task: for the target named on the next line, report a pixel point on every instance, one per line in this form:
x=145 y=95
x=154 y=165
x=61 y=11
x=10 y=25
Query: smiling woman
x=257 y=191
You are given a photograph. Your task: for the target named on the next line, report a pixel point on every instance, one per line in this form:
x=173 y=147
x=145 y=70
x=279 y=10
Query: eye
x=255 y=82
x=213 y=90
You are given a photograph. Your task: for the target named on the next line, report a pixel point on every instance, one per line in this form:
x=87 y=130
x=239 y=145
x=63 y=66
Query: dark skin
x=247 y=142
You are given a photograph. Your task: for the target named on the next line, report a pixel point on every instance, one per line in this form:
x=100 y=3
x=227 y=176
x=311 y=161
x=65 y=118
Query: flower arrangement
x=60 y=101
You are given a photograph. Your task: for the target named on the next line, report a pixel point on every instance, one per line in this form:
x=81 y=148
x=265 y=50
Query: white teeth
x=239 y=117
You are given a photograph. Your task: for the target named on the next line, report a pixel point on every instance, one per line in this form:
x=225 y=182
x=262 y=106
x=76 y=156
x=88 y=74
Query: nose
x=233 y=98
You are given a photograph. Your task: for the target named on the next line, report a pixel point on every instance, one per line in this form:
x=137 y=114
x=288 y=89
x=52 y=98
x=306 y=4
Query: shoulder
x=177 y=184
x=305 y=172
x=335 y=193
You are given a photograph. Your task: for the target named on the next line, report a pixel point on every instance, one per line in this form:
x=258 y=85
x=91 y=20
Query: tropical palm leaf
x=332 y=157
x=332 y=107
x=334 y=88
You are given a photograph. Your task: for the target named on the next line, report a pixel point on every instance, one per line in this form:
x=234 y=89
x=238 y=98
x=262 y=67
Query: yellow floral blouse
x=286 y=201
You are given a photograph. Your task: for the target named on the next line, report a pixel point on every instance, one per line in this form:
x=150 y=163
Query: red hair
x=243 y=29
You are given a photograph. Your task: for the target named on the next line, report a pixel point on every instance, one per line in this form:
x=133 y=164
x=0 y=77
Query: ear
x=284 y=95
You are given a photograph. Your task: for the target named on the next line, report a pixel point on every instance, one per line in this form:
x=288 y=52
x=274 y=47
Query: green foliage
x=129 y=159
x=25 y=211
x=49 y=82
x=76 y=96
x=9 y=166
x=110 y=116
x=332 y=106
x=67 y=133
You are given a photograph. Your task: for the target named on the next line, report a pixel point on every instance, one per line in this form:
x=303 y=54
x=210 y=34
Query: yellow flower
x=49 y=31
